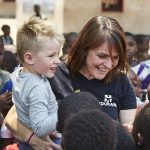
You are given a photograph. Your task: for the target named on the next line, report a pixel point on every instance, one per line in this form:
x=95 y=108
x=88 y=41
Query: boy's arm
x=23 y=133
x=42 y=109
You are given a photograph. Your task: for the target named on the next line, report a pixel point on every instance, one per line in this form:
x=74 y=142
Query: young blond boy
x=38 y=47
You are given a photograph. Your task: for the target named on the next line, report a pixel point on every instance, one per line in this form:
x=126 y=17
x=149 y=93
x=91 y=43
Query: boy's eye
x=54 y=54
x=50 y=55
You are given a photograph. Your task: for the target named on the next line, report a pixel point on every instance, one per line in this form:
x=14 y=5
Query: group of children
x=138 y=58
x=80 y=119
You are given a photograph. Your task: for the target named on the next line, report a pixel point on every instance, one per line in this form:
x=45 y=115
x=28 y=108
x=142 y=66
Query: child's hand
x=128 y=126
x=5 y=100
x=56 y=134
x=141 y=105
x=56 y=137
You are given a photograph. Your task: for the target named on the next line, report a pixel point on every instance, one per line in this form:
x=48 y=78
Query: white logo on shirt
x=108 y=101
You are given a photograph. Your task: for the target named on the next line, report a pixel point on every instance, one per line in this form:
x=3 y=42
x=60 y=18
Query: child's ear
x=140 y=139
x=28 y=58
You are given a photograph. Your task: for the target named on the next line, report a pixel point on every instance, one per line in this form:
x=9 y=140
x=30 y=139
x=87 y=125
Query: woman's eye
x=102 y=56
x=116 y=58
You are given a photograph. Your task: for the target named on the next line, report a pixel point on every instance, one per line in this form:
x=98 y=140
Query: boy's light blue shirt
x=35 y=102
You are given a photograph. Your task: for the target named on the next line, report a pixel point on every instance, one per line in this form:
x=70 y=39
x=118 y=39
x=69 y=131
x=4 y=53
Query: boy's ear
x=28 y=58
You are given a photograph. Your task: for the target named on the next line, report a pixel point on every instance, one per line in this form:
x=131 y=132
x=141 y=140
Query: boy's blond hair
x=31 y=34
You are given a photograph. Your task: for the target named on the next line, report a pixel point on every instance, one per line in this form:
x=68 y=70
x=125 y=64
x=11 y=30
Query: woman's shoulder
x=62 y=70
x=63 y=66
x=120 y=80
x=121 y=76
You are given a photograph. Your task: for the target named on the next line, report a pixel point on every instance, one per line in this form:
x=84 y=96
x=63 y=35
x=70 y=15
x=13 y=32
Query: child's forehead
x=47 y=40
x=48 y=44
x=44 y=39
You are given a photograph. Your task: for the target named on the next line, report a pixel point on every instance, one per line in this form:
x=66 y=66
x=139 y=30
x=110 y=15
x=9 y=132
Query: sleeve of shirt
x=5 y=132
x=7 y=87
x=61 y=82
x=128 y=98
x=42 y=122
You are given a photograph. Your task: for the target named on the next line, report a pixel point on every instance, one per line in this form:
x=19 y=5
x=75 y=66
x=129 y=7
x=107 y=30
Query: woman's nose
x=109 y=63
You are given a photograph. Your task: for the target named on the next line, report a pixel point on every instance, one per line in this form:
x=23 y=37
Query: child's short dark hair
x=89 y=130
x=5 y=27
x=141 y=126
x=140 y=38
x=125 y=140
x=9 y=61
x=74 y=103
x=130 y=34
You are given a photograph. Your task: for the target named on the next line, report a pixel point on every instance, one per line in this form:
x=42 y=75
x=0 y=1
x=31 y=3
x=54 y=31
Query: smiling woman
x=97 y=63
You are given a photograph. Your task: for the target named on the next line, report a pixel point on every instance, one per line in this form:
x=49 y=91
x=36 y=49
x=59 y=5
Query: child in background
x=4 y=75
x=141 y=128
x=5 y=95
x=131 y=49
x=7 y=40
x=143 y=72
x=141 y=99
x=142 y=41
x=103 y=124
x=80 y=101
x=89 y=130
x=74 y=103
x=125 y=141
x=38 y=47
x=136 y=82
x=10 y=62
x=70 y=39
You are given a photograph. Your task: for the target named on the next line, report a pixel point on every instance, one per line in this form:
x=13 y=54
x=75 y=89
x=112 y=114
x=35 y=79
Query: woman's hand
x=43 y=144
x=23 y=133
